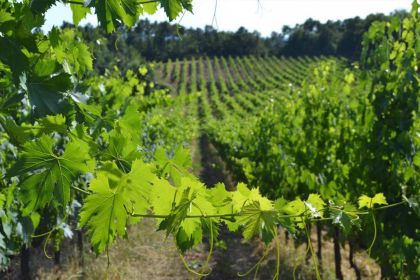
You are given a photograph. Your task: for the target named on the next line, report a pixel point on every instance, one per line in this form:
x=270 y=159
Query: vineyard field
x=256 y=165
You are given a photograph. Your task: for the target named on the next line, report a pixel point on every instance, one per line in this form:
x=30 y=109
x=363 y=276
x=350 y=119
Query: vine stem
x=275 y=233
x=43 y=234
x=231 y=215
x=190 y=269
x=374 y=234
x=207 y=263
x=255 y=266
x=318 y=276
x=186 y=217
x=46 y=243
x=81 y=190
x=390 y=205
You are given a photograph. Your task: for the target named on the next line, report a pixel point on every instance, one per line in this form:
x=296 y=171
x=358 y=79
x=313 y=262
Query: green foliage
x=114 y=193
x=46 y=175
x=369 y=202
x=174 y=7
x=117 y=144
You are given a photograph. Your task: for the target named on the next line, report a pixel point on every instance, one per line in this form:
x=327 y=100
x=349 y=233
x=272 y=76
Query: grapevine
x=107 y=142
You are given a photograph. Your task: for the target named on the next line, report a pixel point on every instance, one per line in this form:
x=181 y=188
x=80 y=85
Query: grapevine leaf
x=295 y=208
x=150 y=8
x=315 y=205
x=45 y=93
x=121 y=149
x=114 y=193
x=185 y=241
x=346 y=218
x=12 y=55
x=256 y=220
x=2 y=199
x=172 y=223
x=190 y=199
x=176 y=167
x=47 y=177
x=172 y=8
x=130 y=123
x=257 y=209
x=221 y=199
x=68 y=50
x=5 y=16
x=41 y=6
x=53 y=124
x=79 y=13
x=240 y=197
x=369 y=202
x=109 y=12
x=45 y=67
x=103 y=213
x=416 y=159
x=182 y=158
x=17 y=134
x=163 y=197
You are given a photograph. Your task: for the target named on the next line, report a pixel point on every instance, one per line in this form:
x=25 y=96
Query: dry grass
x=146 y=254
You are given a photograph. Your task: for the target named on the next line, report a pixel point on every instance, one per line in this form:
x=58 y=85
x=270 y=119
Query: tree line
x=160 y=41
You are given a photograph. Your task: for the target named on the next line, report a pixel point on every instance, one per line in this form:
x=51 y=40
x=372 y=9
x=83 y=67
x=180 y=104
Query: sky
x=263 y=16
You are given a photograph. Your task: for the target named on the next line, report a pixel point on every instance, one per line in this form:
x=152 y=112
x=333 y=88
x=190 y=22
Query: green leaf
x=11 y=54
x=45 y=67
x=47 y=176
x=46 y=94
x=295 y=208
x=2 y=199
x=315 y=205
x=103 y=213
x=177 y=215
x=256 y=220
x=346 y=218
x=416 y=159
x=130 y=123
x=163 y=197
x=111 y=11
x=121 y=149
x=172 y=8
x=114 y=193
x=5 y=16
x=82 y=58
x=369 y=202
x=79 y=13
x=53 y=124
x=190 y=199
x=41 y=6
x=150 y=8
x=17 y=134
x=221 y=199
x=176 y=167
x=70 y=51
x=240 y=197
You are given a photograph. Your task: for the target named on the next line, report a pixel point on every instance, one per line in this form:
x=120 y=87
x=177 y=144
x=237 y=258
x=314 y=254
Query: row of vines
x=296 y=126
